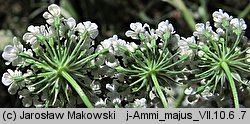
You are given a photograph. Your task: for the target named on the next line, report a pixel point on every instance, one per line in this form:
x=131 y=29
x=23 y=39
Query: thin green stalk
x=42 y=39
x=244 y=13
x=79 y=44
x=158 y=89
x=77 y=88
x=57 y=26
x=232 y=84
x=143 y=56
x=165 y=61
x=51 y=43
x=234 y=46
x=143 y=39
x=163 y=67
x=179 y=4
x=216 y=47
x=204 y=13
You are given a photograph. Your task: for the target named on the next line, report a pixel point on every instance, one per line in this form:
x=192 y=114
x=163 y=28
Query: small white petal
x=200 y=27
x=50 y=21
x=71 y=22
x=88 y=26
x=201 y=53
x=47 y=15
x=116 y=101
x=33 y=29
x=220 y=31
x=112 y=65
x=110 y=87
x=27 y=36
x=136 y=26
x=7 y=79
x=54 y=10
x=13 y=88
x=140 y=103
x=238 y=23
x=106 y=43
x=9 y=53
x=132 y=34
x=80 y=27
x=164 y=27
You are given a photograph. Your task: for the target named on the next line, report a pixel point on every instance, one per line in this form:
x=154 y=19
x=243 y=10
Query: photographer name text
x=69 y=115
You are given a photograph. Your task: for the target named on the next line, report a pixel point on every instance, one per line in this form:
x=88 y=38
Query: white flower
x=220 y=31
x=31 y=37
x=91 y=28
x=152 y=94
x=28 y=99
x=140 y=103
x=206 y=93
x=220 y=17
x=137 y=28
x=54 y=11
x=238 y=25
x=201 y=53
x=164 y=27
x=151 y=35
x=8 y=79
x=71 y=22
x=10 y=53
x=101 y=103
x=112 y=64
x=110 y=87
x=112 y=44
x=116 y=101
x=132 y=46
x=189 y=91
x=96 y=86
x=9 y=76
x=184 y=46
x=201 y=28
x=117 y=42
x=205 y=32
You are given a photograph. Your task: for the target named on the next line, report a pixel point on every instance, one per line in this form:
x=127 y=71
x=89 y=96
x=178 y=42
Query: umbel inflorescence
x=222 y=54
x=150 y=63
x=57 y=60
x=59 y=65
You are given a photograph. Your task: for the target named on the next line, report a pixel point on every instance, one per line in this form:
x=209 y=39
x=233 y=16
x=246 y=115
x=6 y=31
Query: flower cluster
x=57 y=59
x=61 y=65
x=149 y=64
x=221 y=54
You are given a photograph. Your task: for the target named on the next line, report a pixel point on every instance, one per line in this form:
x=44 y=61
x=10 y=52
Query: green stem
x=143 y=39
x=234 y=46
x=158 y=89
x=232 y=84
x=51 y=43
x=244 y=13
x=204 y=13
x=186 y=14
x=78 y=89
x=216 y=47
x=57 y=26
x=80 y=43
